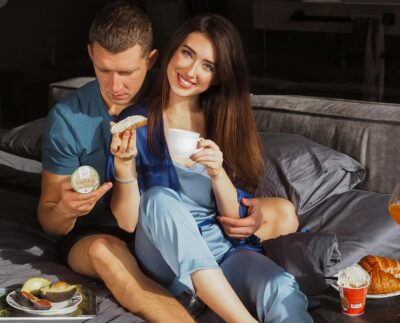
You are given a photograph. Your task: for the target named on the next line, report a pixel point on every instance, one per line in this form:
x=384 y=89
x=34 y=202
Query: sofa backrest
x=60 y=90
x=367 y=131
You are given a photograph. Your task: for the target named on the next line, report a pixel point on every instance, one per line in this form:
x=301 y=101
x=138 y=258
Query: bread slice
x=129 y=123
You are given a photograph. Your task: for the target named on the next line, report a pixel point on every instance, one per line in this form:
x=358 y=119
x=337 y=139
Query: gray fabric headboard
x=368 y=132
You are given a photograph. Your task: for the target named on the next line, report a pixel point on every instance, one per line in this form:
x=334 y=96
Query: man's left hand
x=243 y=227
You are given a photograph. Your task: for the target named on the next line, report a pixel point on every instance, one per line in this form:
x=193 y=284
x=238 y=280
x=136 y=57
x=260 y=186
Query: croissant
x=382 y=271
x=382 y=282
x=391 y=266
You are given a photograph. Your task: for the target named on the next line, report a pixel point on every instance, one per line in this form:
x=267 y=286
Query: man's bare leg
x=108 y=258
x=278 y=218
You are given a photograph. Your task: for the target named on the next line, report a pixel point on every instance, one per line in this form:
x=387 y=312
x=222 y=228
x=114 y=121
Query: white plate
x=57 y=308
x=335 y=286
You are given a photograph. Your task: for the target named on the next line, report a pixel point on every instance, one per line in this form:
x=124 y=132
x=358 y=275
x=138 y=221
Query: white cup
x=182 y=143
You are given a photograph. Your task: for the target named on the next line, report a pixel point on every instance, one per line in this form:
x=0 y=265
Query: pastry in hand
x=129 y=123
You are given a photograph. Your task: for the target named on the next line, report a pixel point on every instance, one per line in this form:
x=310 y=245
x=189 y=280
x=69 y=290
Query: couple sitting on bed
x=202 y=87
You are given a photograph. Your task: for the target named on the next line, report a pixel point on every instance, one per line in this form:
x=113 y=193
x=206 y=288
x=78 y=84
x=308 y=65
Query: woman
x=203 y=88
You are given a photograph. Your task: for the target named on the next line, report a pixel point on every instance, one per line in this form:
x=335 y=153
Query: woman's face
x=192 y=68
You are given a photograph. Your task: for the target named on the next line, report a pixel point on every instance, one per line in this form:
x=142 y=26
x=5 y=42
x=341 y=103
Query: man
x=77 y=133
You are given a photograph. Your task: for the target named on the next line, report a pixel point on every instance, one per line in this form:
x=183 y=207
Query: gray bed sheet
x=358 y=218
x=25 y=251
x=361 y=223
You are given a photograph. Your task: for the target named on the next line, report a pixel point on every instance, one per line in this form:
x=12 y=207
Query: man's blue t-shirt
x=77 y=133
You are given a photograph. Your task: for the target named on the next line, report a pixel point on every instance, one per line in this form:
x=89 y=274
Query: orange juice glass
x=394 y=210
x=394 y=204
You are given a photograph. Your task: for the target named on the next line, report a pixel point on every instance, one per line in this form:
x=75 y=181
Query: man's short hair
x=119 y=26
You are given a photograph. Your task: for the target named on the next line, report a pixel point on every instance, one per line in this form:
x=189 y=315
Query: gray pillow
x=25 y=140
x=20 y=174
x=304 y=171
x=307 y=256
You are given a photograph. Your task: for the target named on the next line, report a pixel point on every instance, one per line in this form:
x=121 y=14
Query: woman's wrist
x=126 y=180
x=216 y=174
x=125 y=171
x=124 y=163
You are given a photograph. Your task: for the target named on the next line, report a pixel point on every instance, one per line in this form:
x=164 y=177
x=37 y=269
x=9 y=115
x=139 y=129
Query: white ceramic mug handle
x=197 y=150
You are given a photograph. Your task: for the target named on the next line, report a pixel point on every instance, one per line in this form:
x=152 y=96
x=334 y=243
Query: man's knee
x=105 y=257
x=278 y=218
x=287 y=210
x=102 y=250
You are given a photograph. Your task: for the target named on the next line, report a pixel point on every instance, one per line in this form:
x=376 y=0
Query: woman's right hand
x=124 y=147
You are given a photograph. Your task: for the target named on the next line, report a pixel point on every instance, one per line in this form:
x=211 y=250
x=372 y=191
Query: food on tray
x=24 y=298
x=129 y=123
x=382 y=283
x=384 y=272
x=85 y=179
x=40 y=293
x=391 y=266
x=58 y=292
x=27 y=299
x=353 y=277
x=34 y=284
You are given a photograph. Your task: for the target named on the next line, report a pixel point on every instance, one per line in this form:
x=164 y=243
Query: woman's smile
x=184 y=82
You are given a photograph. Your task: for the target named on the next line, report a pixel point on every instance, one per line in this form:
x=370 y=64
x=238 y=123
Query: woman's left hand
x=210 y=156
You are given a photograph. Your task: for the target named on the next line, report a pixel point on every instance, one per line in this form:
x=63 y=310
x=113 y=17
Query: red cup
x=353 y=300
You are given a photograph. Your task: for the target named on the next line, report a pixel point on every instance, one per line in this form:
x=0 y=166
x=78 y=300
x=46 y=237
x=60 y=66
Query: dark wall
x=42 y=41
x=43 y=31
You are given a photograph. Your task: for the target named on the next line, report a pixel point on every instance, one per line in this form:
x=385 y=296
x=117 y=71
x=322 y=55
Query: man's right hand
x=243 y=227
x=59 y=205
x=78 y=204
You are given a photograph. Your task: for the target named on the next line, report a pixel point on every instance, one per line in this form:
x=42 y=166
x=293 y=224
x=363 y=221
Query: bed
x=334 y=159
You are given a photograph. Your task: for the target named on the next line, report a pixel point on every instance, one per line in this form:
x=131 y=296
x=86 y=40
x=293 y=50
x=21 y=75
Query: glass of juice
x=394 y=204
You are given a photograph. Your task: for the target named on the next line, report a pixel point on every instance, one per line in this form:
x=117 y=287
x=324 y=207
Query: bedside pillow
x=20 y=174
x=304 y=171
x=25 y=140
x=20 y=163
x=308 y=257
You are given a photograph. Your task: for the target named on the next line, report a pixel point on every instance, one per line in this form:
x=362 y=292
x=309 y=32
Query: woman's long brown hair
x=229 y=120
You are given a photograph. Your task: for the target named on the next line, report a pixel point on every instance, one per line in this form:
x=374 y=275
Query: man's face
x=120 y=75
